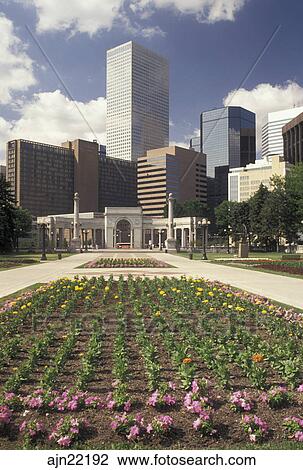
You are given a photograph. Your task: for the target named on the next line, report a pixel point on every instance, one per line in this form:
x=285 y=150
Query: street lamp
x=204 y=223
x=160 y=238
x=43 y=255
x=85 y=239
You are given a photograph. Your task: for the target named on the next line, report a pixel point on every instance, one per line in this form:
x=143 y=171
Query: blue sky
x=210 y=44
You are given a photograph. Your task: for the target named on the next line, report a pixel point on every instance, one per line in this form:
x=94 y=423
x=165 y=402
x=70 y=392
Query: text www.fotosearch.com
x=160 y=460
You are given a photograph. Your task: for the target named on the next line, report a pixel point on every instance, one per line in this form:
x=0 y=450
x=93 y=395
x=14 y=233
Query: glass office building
x=228 y=137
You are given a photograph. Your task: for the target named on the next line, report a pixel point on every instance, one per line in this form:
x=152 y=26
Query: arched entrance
x=123 y=234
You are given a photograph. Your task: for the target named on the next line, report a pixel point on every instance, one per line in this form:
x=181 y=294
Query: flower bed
x=279 y=266
x=157 y=363
x=125 y=263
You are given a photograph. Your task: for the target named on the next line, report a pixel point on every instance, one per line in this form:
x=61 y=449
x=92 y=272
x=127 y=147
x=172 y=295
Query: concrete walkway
x=12 y=280
x=283 y=289
x=287 y=290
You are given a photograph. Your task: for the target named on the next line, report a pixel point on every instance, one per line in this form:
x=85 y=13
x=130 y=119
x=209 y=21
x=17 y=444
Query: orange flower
x=257 y=357
x=187 y=360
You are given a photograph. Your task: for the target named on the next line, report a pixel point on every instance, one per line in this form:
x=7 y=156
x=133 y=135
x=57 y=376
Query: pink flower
x=172 y=385
x=64 y=441
x=153 y=399
x=197 y=424
x=300 y=388
x=299 y=436
x=169 y=400
x=133 y=432
x=195 y=386
x=149 y=428
x=127 y=405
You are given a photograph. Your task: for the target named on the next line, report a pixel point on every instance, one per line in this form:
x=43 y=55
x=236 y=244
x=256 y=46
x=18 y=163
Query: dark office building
x=117 y=182
x=41 y=176
x=228 y=138
x=293 y=140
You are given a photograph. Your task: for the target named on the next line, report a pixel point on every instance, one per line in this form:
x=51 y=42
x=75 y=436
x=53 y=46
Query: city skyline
x=197 y=42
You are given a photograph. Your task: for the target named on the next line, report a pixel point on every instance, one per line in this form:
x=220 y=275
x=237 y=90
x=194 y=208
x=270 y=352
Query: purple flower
x=133 y=432
x=127 y=405
x=64 y=441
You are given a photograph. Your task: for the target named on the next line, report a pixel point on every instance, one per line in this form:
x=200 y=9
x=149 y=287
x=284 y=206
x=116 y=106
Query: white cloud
x=91 y=16
x=206 y=11
x=52 y=118
x=16 y=67
x=266 y=98
x=84 y=16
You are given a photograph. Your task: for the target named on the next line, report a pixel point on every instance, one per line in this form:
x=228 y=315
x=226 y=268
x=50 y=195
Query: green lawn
x=14 y=260
x=16 y=294
x=215 y=256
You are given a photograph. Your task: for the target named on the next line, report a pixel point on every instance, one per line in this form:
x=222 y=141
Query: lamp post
x=85 y=240
x=204 y=223
x=160 y=238
x=43 y=254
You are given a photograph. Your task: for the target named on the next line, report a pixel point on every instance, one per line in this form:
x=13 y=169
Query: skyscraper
x=137 y=101
x=272 y=138
x=228 y=137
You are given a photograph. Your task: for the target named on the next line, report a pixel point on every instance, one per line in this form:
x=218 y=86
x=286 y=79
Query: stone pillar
x=170 y=241
x=152 y=236
x=61 y=237
x=183 y=242
x=75 y=243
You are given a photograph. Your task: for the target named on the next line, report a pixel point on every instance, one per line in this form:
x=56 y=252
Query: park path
x=287 y=290
x=283 y=289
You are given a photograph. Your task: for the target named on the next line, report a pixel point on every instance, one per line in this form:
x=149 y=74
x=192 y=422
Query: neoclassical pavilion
x=117 y=227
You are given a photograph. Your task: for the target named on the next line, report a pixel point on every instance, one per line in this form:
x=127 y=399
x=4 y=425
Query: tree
x=233 y=218
x=280 y=212
x=258 y=223
x=294 y=188
x=22 y=224
x=6 y=216
x=191 y=208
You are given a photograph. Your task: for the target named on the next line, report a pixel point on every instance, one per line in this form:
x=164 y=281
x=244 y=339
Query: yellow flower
x=224 y=304
x=174 y=289
x=15 y=312
x=211 y=294
x=29 y=304
x=211 y=309
x=205 y=301
x=229 y=295
x=162 y=292
x=199 y=289
x=87 y=297
x=63 y=306
x=178 y=291
x=23 y=307
x=15 y=368
x=106 y=288
x=198 y=294
x=239 y=309
x=81 y=354
x=264 y=311
x=116 y=297
x=157 y=313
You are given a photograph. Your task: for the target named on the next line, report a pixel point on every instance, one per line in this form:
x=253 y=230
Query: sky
x=221 y=52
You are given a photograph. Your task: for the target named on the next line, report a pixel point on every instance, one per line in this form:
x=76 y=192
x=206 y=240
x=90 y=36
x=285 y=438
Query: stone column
x=170 y=241
x=183 y=243
x=75 y=243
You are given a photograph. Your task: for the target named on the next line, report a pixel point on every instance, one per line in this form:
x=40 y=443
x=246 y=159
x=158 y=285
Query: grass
x=19 y=292
x=10 y=257
x=254 y=268
x=216 y=256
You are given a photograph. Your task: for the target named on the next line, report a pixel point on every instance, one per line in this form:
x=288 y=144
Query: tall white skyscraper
x=272 y=139
x=137 y=82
